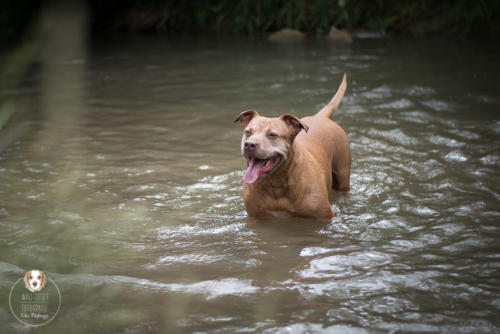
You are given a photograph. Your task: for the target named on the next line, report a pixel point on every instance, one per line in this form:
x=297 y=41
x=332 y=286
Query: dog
x=293 y=165
x=34 y=280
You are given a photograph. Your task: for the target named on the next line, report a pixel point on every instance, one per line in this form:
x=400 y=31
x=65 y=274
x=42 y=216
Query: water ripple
x=134 y=206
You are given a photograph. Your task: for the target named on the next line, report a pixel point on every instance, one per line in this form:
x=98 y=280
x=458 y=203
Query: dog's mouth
x=258 y=168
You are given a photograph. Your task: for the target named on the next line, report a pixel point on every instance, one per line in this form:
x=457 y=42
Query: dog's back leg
x=341 y=172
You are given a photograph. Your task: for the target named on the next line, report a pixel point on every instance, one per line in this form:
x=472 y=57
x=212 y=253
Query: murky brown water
x=126 y=191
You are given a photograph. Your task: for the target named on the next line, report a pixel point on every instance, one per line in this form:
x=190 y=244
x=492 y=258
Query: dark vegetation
x=15 y=17
x=459 y=17
x=421 y=17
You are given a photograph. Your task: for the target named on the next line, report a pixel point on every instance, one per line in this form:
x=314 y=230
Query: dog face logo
x=35 y=280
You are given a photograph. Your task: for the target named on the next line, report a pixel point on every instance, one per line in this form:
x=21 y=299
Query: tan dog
x=34 y=280
x=293 y=171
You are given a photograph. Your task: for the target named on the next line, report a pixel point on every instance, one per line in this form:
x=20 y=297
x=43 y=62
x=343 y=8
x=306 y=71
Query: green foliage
x=456 y=17
x=311 y=16
x=15 y=16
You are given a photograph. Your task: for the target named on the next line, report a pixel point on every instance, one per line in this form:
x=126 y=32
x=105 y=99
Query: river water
x=126 y=191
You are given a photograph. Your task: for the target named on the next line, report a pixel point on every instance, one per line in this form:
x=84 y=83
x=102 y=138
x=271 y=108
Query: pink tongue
x=252 y=173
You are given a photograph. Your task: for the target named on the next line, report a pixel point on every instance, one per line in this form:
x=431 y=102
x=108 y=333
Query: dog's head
x=35 y=280
x=266 y=142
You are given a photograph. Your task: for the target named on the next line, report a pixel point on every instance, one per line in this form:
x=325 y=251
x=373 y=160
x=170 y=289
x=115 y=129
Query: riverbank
x=313 y=17
x=460 y=18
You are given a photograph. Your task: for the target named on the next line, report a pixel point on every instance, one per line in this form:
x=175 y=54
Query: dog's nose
x=250 y=145
x=35 y=283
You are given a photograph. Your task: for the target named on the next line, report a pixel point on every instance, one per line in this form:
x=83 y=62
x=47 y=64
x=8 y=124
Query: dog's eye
x=38 y=277
x=247 y=132
x=31 y=277
x=272 y=135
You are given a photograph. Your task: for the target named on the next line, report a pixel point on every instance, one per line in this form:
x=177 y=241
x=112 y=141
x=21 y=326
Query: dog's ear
x=245 y=117
x=44 y=279
x=26 y=278
x=294 y=123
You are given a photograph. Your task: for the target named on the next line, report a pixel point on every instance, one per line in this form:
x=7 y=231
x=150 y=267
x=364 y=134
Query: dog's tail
x=330 y=108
